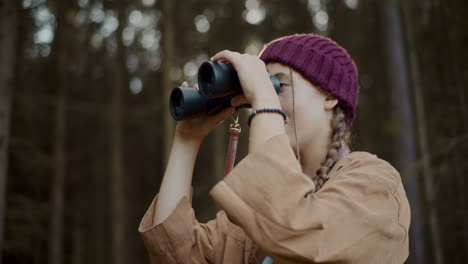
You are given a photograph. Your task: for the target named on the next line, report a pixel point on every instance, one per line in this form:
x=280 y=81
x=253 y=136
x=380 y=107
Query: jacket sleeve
x=180 y=238
x=356 y=212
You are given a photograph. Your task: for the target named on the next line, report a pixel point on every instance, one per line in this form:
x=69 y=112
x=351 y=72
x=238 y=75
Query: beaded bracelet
x=266 y=110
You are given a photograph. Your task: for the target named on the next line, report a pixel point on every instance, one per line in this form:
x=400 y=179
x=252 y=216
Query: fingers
x=227 y=55
x=238 y=60
x=185 y=84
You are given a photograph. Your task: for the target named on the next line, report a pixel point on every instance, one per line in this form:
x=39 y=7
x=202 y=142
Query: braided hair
x=339 y=135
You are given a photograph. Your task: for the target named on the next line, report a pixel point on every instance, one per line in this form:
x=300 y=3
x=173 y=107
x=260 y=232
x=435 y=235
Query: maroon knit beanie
x=321 y=61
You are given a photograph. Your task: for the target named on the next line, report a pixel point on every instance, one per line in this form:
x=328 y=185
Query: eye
x=282 y=86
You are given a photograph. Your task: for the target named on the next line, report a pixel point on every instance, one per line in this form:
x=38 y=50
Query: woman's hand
x=198 y=128
x=253 y=76
x=258 y=91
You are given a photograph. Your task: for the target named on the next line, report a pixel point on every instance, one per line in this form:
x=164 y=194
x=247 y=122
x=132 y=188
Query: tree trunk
x=119 y=84
x=8 y=20
x=77 y=246
x=100 y=208
x=423 y=140
x=167 y=83
x=402 y=121
x=58 y=183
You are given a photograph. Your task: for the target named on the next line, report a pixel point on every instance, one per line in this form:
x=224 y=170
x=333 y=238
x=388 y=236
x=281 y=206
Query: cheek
x=309 y=115
x=306 y=118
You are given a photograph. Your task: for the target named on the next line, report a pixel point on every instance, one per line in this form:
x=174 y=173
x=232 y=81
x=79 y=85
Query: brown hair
x=340 y=134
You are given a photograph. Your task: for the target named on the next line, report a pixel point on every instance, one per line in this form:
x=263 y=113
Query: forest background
x=85 y=127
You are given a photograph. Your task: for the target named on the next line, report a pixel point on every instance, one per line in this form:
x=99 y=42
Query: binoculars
x=218 y=84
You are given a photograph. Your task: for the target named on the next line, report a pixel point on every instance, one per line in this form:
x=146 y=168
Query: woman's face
x=313 y=108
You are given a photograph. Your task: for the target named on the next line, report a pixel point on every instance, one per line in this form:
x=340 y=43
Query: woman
x=299 y=196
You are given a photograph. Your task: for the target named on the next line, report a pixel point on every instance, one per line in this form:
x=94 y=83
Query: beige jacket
x=361 y=215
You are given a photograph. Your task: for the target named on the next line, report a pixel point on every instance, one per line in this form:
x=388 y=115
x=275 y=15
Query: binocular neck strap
x=232 y=150
x=235 y=131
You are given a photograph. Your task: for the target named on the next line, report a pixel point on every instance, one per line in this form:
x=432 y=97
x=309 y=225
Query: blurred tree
x=440 y=60
x=27 y=221
x=436 y=33
x=119 y=84
x=8 y=42
x=60 y=156
x=402 y=120
x=422 y=138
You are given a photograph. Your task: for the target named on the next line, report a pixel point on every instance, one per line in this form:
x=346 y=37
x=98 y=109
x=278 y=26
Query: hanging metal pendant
x=235 y=131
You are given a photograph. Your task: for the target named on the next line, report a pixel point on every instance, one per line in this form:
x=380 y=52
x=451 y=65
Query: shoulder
x=361 y=165
x=379 y=180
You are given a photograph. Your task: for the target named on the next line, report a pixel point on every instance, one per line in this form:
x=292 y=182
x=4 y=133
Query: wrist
x=188 y=140
x=266 y=100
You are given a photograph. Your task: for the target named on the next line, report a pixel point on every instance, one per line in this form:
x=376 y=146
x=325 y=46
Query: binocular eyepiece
x=218 y=83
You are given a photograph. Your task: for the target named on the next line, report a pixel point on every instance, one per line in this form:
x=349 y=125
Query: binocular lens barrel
x=177 y=103
x=216 y=79
x=218 y=83
x=187 y=103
